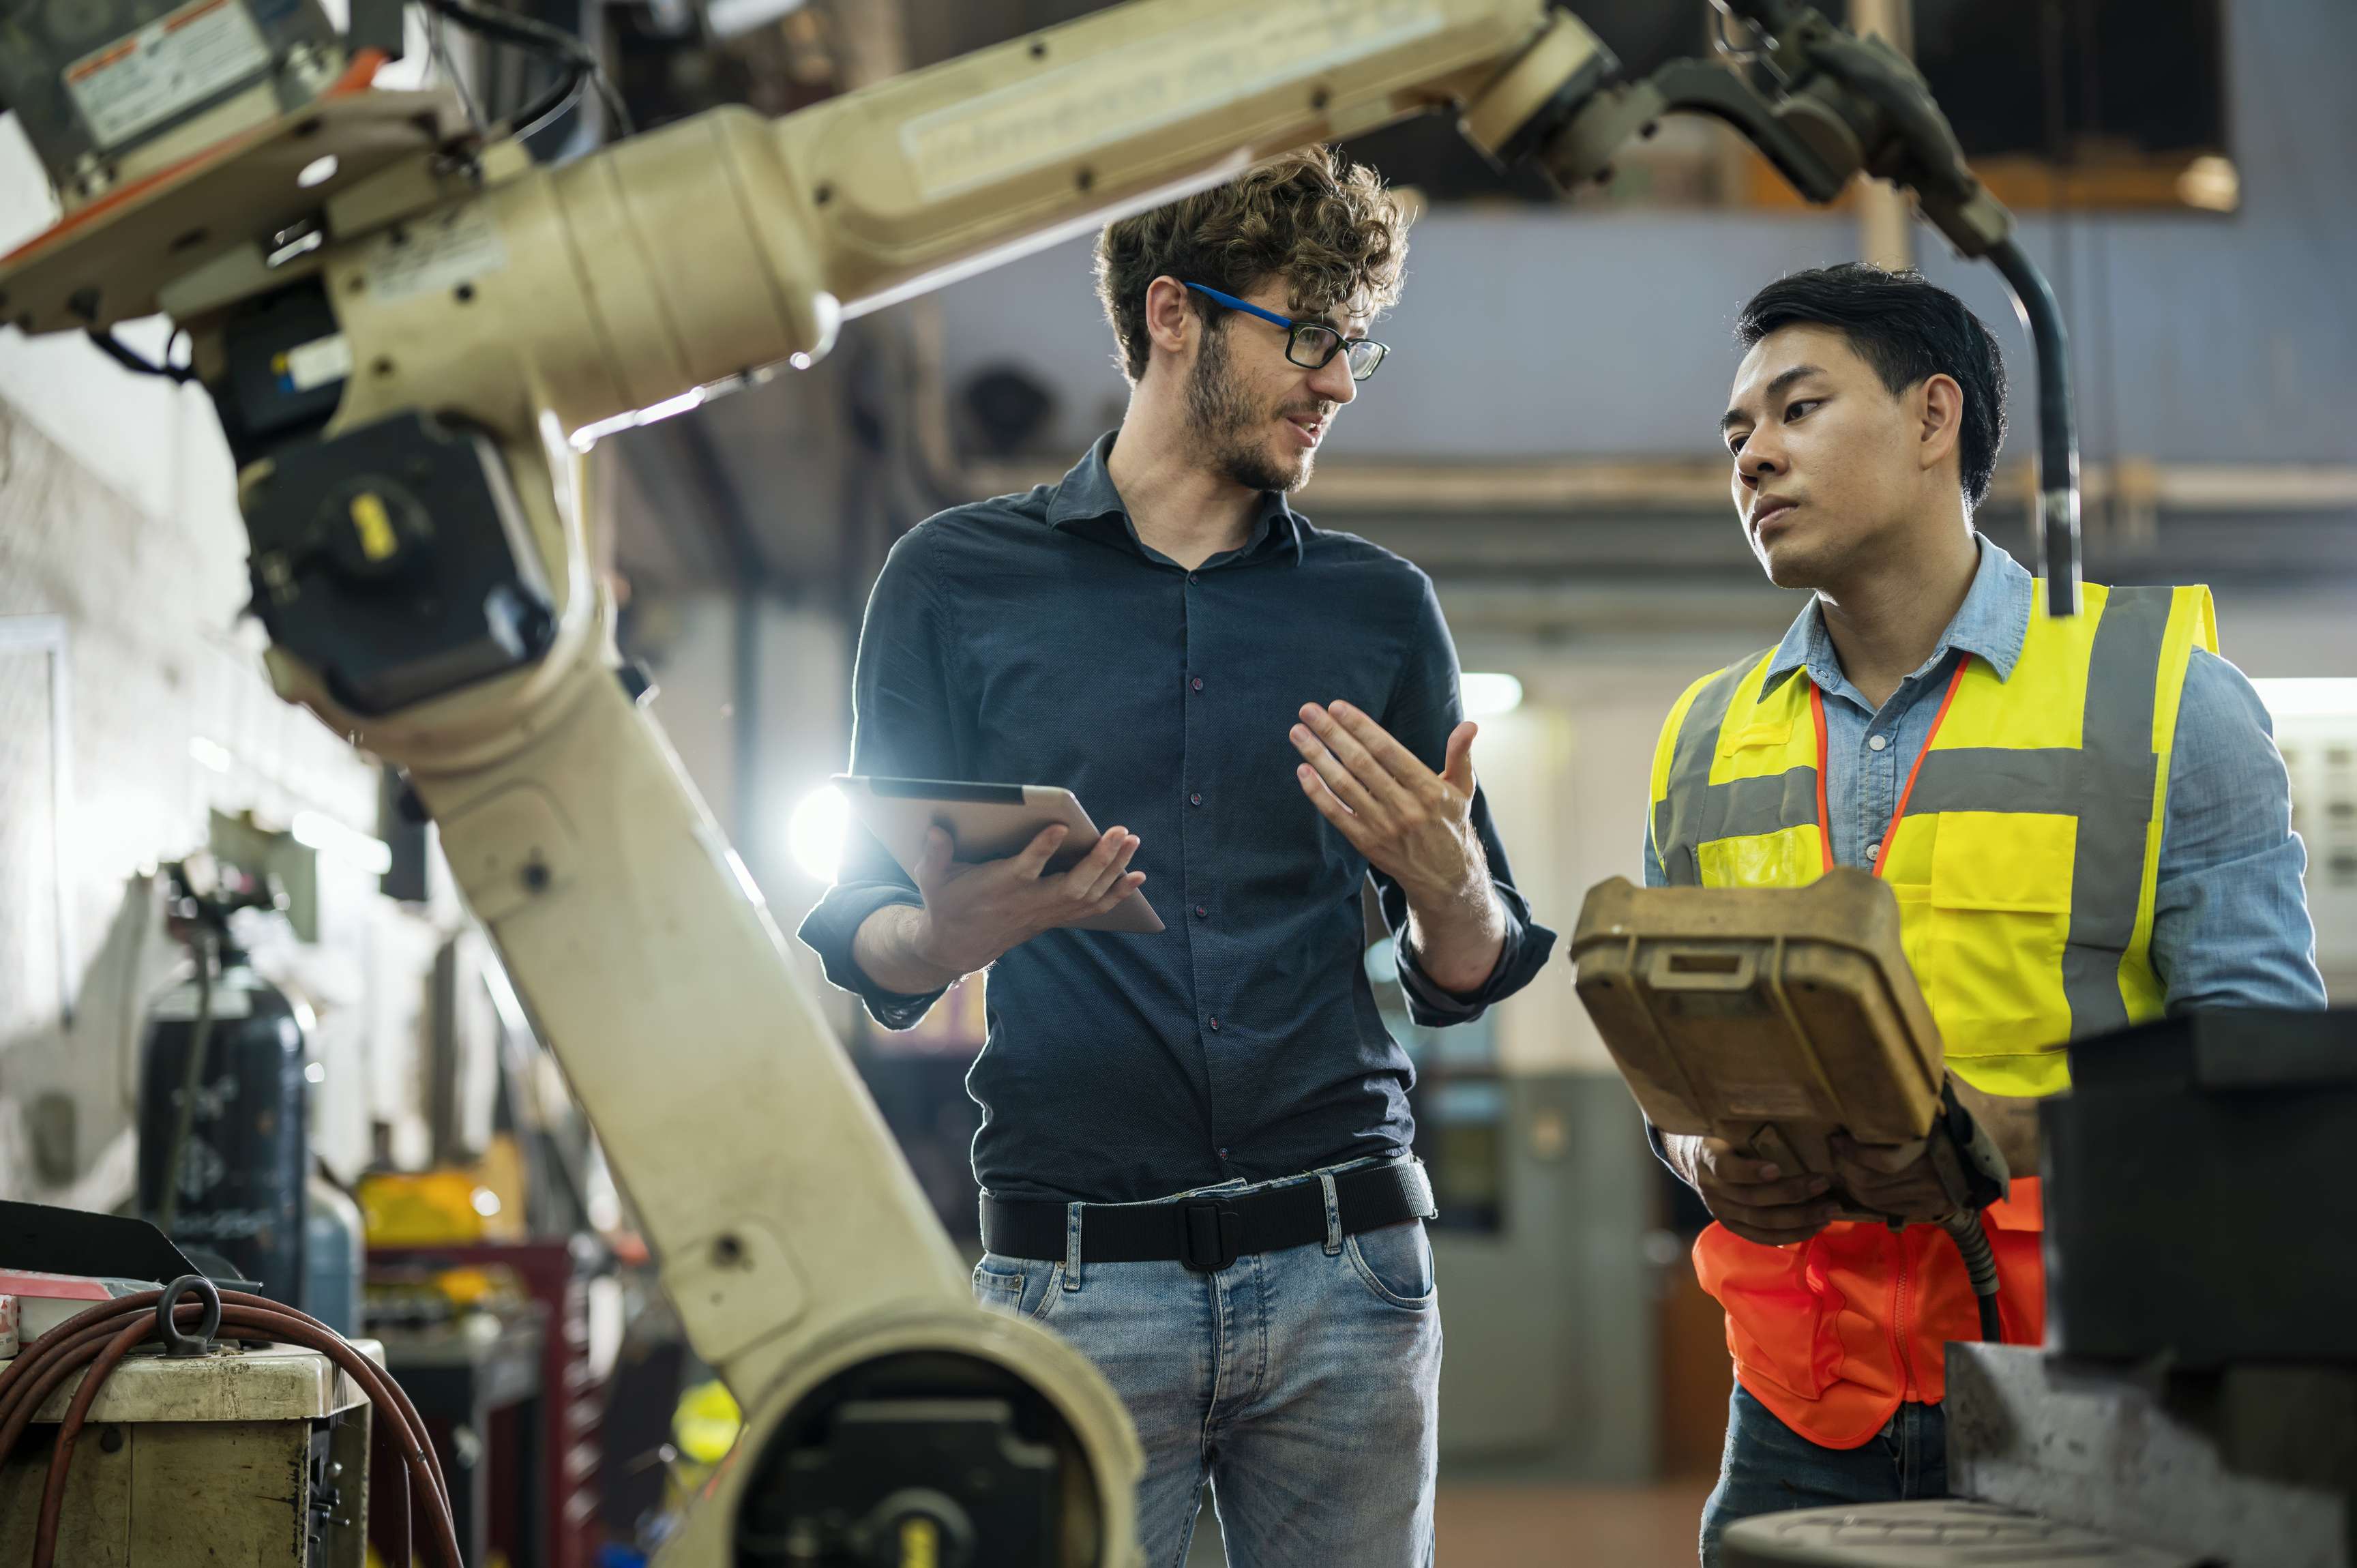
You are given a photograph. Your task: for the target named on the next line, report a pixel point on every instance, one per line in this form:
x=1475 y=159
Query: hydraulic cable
x=131 y=359
x=2055 y=518
x=1966 y=1229
x=92 y=1344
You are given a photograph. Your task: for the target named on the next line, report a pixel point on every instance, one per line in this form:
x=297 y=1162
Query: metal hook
x=208 y=1325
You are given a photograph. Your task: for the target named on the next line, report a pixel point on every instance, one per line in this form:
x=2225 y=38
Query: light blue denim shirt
x=2229 y=920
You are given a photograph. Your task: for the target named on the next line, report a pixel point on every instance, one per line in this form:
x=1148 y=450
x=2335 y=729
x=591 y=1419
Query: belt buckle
x=1211 y=1236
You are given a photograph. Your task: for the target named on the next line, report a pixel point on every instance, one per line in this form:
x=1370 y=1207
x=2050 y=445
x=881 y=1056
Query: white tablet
x=986 y=822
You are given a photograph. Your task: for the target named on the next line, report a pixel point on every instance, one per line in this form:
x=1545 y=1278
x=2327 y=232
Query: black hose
x=1971 y=1237
x=122 y=354
x=583 y=67
x=2054 y=522
x=561 y=95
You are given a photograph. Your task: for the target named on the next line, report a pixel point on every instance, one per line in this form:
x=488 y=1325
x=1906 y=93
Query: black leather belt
x=1209 y=1233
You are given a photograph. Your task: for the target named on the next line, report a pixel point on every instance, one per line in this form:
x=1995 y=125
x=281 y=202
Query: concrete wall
x=118 y=514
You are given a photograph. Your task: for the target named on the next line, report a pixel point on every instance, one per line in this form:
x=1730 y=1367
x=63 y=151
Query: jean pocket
x=1395 y=1265
x=999 y=1291
x=1023 y=1287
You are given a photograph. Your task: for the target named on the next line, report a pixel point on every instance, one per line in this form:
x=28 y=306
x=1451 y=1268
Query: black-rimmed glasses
x=1312 y=344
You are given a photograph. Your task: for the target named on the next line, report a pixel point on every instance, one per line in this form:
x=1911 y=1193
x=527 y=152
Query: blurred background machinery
x=2176 y=165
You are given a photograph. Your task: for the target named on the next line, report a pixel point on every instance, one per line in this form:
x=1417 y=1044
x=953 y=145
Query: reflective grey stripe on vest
x=1696 y=811
x=2107 y=783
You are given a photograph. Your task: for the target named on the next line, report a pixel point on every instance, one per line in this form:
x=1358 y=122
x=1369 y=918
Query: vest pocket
x=1993 y=923
x=1789 y=857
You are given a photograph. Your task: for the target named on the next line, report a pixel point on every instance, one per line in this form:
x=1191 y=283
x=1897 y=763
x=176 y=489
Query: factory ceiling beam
x=1347 y=485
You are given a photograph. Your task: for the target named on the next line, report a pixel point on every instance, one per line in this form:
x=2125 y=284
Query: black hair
x=1908 y=330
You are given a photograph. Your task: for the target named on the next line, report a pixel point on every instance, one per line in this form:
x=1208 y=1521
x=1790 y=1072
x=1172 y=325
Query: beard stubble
x=1226 y=421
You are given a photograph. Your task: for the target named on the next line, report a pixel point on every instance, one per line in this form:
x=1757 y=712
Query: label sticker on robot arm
x=314 y=364
x=434 y=253
x=173 y=63
x=1141 y=87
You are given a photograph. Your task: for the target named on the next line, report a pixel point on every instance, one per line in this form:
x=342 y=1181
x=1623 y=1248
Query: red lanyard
x=1824 y=815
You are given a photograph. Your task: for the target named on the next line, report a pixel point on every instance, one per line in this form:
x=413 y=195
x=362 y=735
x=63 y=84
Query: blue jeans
x=1769 y=1468
x=1303 y=1384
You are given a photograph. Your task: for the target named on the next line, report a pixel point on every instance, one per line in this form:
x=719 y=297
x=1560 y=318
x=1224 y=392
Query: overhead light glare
x=2309 y=696
x=316 y=830
x=1486 y=695
x=2212 y=183
x=816 y=832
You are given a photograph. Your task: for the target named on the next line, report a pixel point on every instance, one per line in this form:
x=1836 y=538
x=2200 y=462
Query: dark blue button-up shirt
x=1035 y=640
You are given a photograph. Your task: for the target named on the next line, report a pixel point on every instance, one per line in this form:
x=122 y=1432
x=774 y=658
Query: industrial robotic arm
x=411 y=337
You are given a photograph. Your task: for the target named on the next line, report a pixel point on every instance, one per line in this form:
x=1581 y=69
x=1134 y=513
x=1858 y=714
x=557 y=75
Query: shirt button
x=1874 y=852
x=1194 y=799
x=1201 y=913
x=1197 y=683
x=1215 y=1023
x=1191 y=577
x=1877 y=742
x=1224 y=1153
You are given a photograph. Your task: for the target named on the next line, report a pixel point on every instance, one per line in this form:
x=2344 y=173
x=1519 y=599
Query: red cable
x=93 y=1342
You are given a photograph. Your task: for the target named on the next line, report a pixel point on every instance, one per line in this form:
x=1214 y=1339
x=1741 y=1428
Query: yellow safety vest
x=2024 y=852
x=2026 y=846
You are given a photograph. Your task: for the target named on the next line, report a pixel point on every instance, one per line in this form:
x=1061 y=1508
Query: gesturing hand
x=973 y=913
x=1413 y=824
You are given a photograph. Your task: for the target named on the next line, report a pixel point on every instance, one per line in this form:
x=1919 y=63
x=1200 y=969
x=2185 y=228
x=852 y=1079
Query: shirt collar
x=1085 y=501
x=1992 y=622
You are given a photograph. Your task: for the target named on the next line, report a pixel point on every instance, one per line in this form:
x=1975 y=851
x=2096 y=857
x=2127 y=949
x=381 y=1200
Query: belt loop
x=1072 y=1245
x=1333 y=1215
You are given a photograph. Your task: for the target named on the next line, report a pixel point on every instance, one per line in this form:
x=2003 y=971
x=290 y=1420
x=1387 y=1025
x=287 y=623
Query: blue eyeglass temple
x=1342 y=345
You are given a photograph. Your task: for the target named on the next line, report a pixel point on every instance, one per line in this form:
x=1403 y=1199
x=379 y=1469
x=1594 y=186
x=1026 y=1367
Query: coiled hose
x=95 y=1341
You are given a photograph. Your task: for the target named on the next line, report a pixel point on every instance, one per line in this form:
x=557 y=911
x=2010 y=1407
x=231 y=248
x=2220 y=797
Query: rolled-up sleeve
x=900 y=729
x=1425 y=707
x=2230 y=925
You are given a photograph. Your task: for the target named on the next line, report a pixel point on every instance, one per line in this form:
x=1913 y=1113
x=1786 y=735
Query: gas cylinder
x=239 y=1180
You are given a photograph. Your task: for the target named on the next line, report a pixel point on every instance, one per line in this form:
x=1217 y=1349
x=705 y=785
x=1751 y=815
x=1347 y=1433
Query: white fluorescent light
x=2309 y=696
x=1487 y=695
x=731 y=19
x=816 y=832
x=315 y=830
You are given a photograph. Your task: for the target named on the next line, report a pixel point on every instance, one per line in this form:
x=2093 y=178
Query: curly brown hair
x=1328 y=227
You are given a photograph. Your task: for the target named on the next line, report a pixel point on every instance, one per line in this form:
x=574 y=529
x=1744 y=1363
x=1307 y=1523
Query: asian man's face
x=1828 y=464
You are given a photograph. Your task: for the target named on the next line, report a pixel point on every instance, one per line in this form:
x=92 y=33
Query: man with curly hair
x=1195 y=1148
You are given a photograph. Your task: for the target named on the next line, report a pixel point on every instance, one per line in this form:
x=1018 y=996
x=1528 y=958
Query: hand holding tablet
x=1001 y=854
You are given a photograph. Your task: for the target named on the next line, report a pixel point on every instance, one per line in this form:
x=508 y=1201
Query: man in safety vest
x=2085 y=822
